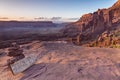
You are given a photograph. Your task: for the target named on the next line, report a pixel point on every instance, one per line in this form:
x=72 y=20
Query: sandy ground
x=62 y=61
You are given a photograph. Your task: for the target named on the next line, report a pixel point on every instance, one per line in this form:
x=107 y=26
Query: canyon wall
x=92 y=25
x=97 y=22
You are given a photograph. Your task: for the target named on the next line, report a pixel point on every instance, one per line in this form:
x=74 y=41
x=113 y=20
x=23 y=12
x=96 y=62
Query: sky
x=66 y=10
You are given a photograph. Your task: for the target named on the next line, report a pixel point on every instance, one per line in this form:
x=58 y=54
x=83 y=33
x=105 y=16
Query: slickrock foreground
x=63 y=61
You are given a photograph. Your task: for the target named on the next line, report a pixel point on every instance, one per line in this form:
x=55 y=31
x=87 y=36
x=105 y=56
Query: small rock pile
x=16 y=52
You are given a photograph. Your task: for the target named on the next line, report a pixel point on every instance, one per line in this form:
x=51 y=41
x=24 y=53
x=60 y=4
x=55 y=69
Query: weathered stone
x=16 y=52
x=101 y=22
x=23 y=64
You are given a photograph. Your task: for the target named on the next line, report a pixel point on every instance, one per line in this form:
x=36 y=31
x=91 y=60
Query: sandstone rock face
x=115 y=12
x=96 y=23
x=108 y=39
x=63 y=61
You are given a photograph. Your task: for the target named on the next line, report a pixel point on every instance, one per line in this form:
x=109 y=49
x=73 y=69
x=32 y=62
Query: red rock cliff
x=94 y=24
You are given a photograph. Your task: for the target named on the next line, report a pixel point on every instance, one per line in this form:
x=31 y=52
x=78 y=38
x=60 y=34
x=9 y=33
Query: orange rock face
x=96 y=23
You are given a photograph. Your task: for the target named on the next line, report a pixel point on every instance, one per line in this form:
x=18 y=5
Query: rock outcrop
x=107 y=39
x=94 y=24
x=63 y=61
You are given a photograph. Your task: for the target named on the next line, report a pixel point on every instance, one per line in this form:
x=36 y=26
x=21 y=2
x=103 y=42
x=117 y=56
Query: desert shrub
x=115 y=46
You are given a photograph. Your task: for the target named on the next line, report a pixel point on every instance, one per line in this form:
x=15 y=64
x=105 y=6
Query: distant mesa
x=40 y=18
x=56 y=18
x=4 y=18
x=21 y=17
x=27 y=24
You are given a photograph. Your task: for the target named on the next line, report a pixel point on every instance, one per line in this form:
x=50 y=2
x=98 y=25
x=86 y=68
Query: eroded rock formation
x=94 y=24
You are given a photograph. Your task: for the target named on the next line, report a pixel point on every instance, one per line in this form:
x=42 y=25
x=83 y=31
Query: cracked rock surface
x=63 y=61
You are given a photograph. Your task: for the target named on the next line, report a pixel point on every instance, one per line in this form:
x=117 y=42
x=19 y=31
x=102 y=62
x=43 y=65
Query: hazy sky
x=30 y=9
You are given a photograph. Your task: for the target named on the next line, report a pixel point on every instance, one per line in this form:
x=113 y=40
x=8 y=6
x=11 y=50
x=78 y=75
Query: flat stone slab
x=23 y=64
